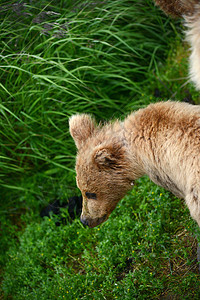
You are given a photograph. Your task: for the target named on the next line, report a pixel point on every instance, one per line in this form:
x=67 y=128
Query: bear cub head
x=103 y=167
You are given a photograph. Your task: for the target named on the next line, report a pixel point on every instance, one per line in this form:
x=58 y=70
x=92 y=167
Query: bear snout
x=93 y=222
x=84 y=221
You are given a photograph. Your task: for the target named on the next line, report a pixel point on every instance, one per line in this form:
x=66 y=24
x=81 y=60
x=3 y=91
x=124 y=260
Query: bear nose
x=84 y=221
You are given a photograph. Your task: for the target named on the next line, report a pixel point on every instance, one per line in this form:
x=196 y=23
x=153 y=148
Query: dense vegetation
x=106 y=58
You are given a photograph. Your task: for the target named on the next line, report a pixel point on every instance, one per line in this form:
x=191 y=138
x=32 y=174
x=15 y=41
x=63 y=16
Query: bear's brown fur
x=178 y=8
x=161 y=140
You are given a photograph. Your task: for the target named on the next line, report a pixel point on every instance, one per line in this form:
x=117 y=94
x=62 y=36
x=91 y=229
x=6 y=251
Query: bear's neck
x=152 y=153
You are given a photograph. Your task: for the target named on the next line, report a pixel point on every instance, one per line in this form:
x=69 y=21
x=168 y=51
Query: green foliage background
x=106 y=58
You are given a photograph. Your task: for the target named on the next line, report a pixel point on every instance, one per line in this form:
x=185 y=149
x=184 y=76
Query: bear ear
x=81 y=127
x=109 y=157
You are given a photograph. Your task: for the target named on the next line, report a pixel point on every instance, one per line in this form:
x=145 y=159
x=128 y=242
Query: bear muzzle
x=86 y=221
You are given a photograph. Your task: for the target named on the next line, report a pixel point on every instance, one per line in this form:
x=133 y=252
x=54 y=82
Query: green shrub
x=132 y=255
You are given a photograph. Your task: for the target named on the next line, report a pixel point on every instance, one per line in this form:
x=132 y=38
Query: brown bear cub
x=161 y=140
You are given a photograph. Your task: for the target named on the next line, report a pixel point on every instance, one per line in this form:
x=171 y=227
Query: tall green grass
x=59 y=59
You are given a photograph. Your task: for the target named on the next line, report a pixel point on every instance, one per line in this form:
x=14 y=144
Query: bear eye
x=91 y=195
